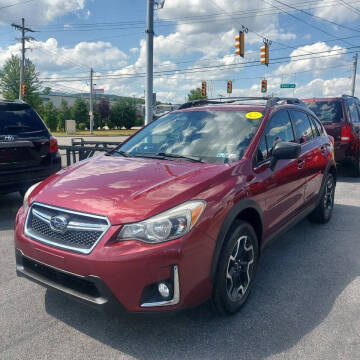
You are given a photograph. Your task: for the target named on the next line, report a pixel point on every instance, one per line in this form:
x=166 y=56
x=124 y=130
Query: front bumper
x=114 y=275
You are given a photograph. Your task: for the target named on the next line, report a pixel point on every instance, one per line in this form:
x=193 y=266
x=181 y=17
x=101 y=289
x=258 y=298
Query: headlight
x=168 y=225
x=28 y=192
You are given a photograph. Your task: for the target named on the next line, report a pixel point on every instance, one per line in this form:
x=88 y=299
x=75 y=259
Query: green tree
x=80 y=112
x=195 y=94
x=103 y=109
x=47 y=91
x=123 y=113
x=10 y=81
x=49 y=114
x=64 y=113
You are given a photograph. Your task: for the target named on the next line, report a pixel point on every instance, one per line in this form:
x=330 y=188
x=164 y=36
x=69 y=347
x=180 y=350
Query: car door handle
x=301 y=163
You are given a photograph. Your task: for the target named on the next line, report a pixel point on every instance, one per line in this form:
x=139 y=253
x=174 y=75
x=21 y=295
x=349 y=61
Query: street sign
x=99 y=91
x=287 y=86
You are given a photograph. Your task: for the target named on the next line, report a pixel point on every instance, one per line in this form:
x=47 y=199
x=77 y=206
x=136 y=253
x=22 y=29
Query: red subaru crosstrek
x=179 y=213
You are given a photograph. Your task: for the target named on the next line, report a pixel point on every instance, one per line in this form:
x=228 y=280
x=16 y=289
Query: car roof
x=13 y=104
x=251 y=103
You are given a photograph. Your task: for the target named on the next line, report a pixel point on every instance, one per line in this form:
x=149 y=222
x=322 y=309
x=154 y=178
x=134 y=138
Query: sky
x=312 y=44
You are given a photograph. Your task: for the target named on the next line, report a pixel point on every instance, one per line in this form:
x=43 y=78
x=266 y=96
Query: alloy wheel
x=329 y=196
x=240 y=268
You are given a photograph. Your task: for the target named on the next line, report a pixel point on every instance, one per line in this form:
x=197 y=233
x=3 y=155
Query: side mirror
x=284 y=150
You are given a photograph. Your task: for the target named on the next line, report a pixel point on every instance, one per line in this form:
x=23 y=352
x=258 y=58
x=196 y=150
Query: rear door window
x=316 y=124
x=352 y=111
x=303 y=128
x=20 y=120
x=327 y=111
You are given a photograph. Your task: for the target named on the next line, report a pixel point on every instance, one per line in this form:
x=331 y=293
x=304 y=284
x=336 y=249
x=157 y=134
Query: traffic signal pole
x=22 y=61
x=91 y=113
x=354 y=74
x=149 y=61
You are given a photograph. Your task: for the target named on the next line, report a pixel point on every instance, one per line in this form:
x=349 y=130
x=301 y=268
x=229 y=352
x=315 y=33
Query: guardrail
x=81 y=149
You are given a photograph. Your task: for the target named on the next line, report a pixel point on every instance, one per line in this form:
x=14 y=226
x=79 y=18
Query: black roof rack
x=270 y=101
x=345 y=95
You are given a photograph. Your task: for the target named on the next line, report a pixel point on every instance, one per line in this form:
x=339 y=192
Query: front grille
x=67 y=280
x=79 y=232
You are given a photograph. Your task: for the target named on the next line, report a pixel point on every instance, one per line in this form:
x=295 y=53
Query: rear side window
x=327 y=111
x=352 y=111
x=316 y=125
x=19 y=121
x=303 y=128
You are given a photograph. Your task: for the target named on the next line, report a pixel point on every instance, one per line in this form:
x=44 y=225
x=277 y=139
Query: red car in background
x=180 y=212
x=341 y=118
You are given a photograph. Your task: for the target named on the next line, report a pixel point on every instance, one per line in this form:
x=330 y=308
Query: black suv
x=28 y=152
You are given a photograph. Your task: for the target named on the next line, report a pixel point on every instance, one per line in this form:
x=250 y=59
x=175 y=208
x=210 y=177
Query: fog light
x=164 y=290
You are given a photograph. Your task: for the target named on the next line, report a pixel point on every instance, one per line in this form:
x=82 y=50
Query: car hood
x=126 y=189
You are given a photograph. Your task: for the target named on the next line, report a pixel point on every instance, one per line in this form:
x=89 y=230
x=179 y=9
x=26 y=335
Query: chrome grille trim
x=73 y=226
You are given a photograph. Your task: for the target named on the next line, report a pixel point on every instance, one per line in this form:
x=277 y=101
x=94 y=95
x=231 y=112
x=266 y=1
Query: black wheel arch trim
x=240 y=206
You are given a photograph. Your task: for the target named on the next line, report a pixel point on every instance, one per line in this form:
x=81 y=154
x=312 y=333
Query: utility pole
x=149 y=61
x=91 y=113
x=354 y=74
x=150 y=57
x=23 y=49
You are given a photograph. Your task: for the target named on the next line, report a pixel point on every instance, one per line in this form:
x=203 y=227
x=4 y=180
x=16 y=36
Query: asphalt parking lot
x=305 y=305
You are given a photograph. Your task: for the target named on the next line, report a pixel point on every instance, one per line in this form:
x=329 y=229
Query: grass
x=98 y=133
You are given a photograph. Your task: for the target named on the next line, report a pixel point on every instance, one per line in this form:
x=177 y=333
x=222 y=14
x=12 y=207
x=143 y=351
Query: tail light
x=345 y=133
x=53 y=145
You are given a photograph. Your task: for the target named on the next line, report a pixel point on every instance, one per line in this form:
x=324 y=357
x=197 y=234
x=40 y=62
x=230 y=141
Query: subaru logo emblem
x=59 y=223
x=9 y=138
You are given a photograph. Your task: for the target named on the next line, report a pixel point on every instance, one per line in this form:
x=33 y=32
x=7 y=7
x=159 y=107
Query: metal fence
x=81 y=149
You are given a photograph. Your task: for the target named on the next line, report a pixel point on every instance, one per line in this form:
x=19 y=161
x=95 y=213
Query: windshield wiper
x=163 y=155
x=123 y=153
x=177 y=156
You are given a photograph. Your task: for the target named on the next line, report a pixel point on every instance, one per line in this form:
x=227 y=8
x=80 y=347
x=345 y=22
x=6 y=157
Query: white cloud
x=327 y=57
x=43 y=11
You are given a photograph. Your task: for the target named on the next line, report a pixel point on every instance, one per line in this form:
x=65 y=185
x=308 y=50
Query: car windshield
x=327 y=111
x=208 y=136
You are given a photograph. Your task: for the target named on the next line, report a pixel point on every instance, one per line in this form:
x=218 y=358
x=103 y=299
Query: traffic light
x=229 y=87
x=264 y=86
x=240 y=44
x=264 y=54
x=203 y=89
x=23 y=90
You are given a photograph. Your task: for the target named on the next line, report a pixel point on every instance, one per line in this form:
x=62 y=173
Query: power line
x=18 y=3
x=301 y=20
x=350 y=7
x=203 y=69
x=318 y=17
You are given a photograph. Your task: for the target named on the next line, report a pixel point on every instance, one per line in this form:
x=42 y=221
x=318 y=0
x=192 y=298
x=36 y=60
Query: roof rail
x=346 y=95
x=270 y=101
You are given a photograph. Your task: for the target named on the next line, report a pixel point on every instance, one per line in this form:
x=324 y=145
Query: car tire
x=322 y=213
x=236 y=269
